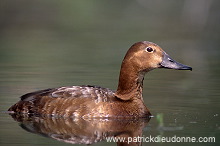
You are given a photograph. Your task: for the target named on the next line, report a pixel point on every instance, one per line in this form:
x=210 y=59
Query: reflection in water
x=161 y=127
x=82 y=131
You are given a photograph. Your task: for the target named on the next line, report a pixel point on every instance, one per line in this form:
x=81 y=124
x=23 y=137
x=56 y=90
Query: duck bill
x=169 y=63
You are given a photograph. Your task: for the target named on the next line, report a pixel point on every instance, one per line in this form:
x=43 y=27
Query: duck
x=90 y=102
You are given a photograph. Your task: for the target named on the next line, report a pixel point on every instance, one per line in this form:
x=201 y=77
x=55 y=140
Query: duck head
x=145 y=56
x=139 y=59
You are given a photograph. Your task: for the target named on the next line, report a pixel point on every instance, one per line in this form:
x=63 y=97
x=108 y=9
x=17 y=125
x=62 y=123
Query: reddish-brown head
x=141 y=58
x=145 y=56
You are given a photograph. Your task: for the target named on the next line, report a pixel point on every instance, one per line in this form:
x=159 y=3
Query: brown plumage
x=97 y=102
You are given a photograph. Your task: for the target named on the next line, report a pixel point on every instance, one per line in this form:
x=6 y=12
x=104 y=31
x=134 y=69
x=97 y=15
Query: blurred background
x=46 y=44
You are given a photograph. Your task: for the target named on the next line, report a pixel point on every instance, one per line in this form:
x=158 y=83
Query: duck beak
x=168 y=62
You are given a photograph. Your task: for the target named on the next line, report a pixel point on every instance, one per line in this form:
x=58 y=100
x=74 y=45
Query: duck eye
x=149 y=49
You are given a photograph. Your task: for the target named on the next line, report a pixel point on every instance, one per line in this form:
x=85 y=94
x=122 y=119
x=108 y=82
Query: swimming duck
x=97 y=102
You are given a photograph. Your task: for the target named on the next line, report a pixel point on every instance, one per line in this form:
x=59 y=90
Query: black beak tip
x=186 y=68
x=190 y=68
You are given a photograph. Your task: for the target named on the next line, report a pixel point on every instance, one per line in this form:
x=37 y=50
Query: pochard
x=97 y=102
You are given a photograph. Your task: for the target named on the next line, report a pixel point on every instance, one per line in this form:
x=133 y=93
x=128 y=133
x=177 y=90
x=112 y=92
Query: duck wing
x=85 y=91
x=57 y=100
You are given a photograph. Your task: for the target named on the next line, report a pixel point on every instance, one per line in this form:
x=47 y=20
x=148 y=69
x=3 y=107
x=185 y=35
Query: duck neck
x=130 y=84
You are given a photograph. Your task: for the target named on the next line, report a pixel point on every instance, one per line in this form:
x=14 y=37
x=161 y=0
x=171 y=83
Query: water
x=52 y=44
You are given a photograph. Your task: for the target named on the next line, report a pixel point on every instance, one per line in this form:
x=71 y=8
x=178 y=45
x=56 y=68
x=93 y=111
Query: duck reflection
x=82 y=131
